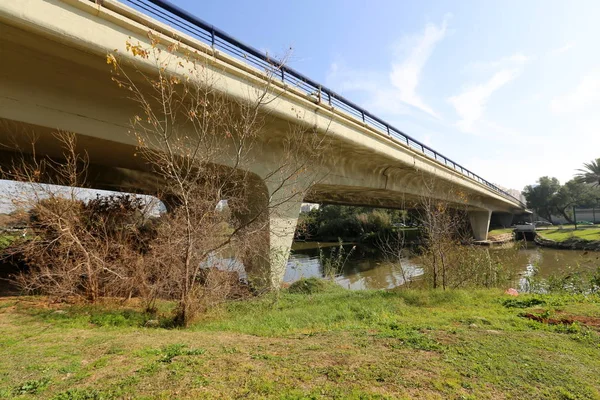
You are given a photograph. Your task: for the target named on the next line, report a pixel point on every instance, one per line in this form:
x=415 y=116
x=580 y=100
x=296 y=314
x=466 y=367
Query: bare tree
x=203 y=145
x=450 y=258
x=443 y=221
x=394 y=250
x=206 y=149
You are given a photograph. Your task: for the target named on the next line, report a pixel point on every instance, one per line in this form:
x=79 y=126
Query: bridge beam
x=480 y=223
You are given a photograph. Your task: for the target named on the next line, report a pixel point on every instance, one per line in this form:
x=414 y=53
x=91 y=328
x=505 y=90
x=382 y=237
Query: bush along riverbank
x=331 y=223
x=313 y=340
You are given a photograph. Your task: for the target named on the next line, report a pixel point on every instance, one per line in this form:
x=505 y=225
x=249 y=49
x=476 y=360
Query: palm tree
x=591 y=173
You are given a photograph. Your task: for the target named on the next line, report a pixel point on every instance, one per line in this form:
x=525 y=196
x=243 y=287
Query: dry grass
x=495 y=232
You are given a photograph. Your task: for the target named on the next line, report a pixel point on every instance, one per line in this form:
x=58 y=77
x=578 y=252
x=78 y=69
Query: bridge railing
x=178 y=18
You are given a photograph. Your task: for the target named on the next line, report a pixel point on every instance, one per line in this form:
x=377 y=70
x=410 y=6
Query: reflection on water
x=364 y=269
x=544 y=262
x=551 y=261
x=367 y=270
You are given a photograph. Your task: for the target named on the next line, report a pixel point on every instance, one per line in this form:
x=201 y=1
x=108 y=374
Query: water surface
x=366 y=269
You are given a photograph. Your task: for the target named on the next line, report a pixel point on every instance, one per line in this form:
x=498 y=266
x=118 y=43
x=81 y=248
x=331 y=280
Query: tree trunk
x=564 y=213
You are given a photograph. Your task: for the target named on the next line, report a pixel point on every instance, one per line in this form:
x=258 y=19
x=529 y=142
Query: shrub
x=310 y=286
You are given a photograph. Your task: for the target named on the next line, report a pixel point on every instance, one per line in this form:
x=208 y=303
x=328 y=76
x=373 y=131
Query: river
x=366 y=269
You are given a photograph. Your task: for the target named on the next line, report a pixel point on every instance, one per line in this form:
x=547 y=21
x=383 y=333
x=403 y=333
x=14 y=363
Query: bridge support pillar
x=480 y=223
x=282 y=226
x=274 y=217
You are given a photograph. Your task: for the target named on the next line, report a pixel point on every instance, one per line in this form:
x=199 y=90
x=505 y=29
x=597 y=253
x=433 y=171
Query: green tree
x=590 y=173
x=331 y=222
x=549 y=197
x=574 y=194
x=541 y=197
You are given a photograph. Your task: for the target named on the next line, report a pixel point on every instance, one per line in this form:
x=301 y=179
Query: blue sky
x=508 y=89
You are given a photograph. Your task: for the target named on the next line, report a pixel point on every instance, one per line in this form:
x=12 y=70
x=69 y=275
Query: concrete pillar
x=480 y=223
x=274 y=213
x=282 y=226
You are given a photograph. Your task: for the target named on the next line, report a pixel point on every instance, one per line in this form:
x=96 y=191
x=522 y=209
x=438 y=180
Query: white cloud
x=396 y=91
x=470 y=104
x=562 y=49
x=515 y=60
x=584 y=96
x=406 y=73
x=380 y=97
x=346 y=79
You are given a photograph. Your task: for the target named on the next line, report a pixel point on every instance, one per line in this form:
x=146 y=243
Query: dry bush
x=83 y=249
x=72 y=247
x=443 y=224
x=111 y=246
x=450 y=258
x=395 y=251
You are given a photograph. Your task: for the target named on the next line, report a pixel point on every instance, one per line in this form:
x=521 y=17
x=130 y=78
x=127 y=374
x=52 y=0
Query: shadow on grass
x=105 y=314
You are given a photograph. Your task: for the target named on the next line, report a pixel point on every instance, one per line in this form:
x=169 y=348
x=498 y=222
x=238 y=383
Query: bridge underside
x=53 y=76
x=113 y=166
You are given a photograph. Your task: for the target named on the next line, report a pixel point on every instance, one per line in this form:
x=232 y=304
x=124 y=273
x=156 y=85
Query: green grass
x=6 y=240
x=560 y=235
x=332 y=343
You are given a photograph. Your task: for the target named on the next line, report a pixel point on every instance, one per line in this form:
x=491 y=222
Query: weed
x=230 y=350
x=522 y=303
x=409 y=337
x=333 y=265
x=171 y=351
x=309 y=286
x=31 y=387
x=83 y=394
x=120 y=318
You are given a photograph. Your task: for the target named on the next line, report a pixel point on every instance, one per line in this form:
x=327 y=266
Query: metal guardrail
x=178 y=18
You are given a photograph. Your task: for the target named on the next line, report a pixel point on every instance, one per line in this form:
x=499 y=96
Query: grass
x=6 y=240
x=560 y=235
x=501 y=231
x=332 y=343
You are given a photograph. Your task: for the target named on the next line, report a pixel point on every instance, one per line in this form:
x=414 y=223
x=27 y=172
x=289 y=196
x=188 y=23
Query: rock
x=493 y=331
x=152 y=323
x=511 y=292
x=473 y=326
x=59 y=312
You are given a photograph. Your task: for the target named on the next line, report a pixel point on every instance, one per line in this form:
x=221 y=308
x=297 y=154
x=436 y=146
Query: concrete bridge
x=53 y=75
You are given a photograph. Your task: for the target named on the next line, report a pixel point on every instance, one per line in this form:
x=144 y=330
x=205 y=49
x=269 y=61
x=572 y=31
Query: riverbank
x=580 y=239
x=561 y=234
x=567 y=238
x=332 y=344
